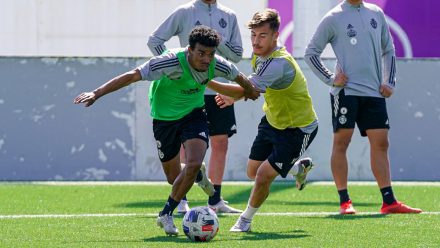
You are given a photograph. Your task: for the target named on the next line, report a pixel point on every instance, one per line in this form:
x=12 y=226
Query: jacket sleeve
x=388 y=55
x=169 y=28
x=232 y=47
x=323 y=35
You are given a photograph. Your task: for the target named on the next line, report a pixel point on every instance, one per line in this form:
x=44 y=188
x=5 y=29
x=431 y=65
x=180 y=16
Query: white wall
x=93 y=27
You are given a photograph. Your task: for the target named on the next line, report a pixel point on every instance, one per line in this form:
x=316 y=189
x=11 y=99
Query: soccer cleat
x=205 y=183
x=347 y=208
x=223 y=207
x=183 y=207
x=167 y=223
x=304 y=166
x=242 y=225
x=398 y=208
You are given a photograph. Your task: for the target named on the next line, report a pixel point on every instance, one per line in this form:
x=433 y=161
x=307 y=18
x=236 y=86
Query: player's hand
x=251 y=93
x=340 y=79
x=86 y=97
x=224 y=101
x=385 y=90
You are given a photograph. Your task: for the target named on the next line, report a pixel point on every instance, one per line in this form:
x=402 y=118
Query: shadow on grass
x=317 y=203
x=295 y=234
x=143 y=204
x=178 y=239
x=355 y=216
x=236 y=236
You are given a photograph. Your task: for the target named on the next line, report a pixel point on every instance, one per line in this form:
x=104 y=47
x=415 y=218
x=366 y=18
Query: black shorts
x=282 y=148
x=220 y=120
x=170 y=135
x=366 y=112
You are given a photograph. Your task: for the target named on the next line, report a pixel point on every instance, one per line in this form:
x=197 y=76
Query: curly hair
x=205 y=36
x=267 y=15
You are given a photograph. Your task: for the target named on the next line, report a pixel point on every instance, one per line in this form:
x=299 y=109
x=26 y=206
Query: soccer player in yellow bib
x=290 y=123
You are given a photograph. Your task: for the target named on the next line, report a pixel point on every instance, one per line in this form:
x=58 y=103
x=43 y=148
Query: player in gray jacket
x=221 y=122
x=365 y=75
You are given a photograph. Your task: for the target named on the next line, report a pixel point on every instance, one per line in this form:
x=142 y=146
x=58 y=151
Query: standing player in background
x=365 y=75
x=221 y=122
x=290 y=123
x=177 y=107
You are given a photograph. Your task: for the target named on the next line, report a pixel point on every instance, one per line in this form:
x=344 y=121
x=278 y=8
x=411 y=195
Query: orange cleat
x=398 y=208
x=347 y=208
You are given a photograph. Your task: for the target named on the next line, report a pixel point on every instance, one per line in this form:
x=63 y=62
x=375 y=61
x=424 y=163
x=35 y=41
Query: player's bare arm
x=249 y=90
x=88 y=98
x=232 y=90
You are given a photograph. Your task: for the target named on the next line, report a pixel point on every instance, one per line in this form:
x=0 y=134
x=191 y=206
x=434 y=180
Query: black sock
x=199 y=176
x=387 y=195
x=184 y=198
x=216 y=197
x=169 y=207
x=343 y=196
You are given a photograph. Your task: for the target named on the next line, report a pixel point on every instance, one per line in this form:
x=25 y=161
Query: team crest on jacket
x=222 y=23
x=350 y=31
x=373 y=23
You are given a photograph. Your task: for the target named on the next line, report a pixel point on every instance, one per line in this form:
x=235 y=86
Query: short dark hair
x=205 y=36
x=270 y=16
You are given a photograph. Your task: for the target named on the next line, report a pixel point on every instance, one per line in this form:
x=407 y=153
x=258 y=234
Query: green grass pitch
x=122 y=215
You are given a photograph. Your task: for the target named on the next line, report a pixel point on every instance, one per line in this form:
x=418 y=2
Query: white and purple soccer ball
x=200 y=224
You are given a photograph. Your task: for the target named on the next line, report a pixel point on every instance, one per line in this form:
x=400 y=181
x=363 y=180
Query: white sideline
x=65 y=216
x=155 y=183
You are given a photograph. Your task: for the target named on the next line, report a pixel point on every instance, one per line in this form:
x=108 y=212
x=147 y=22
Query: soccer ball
x=200 y=224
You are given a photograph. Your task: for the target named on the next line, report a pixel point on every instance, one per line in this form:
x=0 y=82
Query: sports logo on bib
x=222 y=23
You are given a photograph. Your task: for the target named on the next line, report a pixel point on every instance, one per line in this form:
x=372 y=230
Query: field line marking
x=161 y=183
x=65 y=216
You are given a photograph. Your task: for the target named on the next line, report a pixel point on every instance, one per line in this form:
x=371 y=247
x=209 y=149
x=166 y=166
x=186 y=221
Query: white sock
x=249 y=212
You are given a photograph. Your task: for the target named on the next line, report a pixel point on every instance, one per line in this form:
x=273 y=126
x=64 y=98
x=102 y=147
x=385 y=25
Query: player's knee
x=192 y=168
x=341 y=145
x=381 y=145
x=262 y=179
x=251 y=173
x=219 y=144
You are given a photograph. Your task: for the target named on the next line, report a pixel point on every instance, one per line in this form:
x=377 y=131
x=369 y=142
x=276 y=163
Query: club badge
x=222 y=23
x=373 y=23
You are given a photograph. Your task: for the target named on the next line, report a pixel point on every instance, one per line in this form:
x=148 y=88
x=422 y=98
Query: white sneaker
x=242 y=225
x=205 y=183
x=183 y=207
x=223 y=207
x=304 y=166
x=167 y=223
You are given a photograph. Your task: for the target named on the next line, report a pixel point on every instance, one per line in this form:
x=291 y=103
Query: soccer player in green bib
x=290 y=123
x=177 y=107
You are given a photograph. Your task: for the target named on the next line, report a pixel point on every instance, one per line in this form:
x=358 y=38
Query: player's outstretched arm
x=250 y=91
x=88 y=98
x=232 y=90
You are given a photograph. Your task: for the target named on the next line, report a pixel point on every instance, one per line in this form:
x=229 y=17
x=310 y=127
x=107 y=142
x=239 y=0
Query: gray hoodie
x=187 y=16
x=361 y=40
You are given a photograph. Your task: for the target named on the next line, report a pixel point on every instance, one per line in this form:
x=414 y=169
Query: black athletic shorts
x=282 y=148
x=170 y=135
x=366 y=112
x=220 y=120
